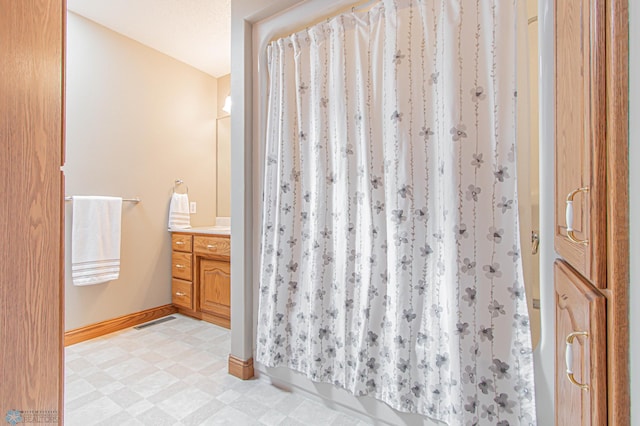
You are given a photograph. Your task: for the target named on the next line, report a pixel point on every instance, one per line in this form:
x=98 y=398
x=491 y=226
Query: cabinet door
x=580 y=135
x=32 y=234
x=579 y=308
x=215 y=287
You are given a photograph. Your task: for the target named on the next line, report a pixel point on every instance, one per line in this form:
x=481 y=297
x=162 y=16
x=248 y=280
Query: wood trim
x=61 y=203
x=61 y=282
x=204 y=316
x=105 y=327
x=597 y=134
x=241 y=369
x=217 y=320
x=617 y=69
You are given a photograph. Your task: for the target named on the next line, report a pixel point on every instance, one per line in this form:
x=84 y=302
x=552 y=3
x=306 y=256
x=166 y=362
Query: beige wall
x=136 y=121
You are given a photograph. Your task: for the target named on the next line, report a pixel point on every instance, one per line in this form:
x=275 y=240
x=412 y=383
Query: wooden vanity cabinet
x=181 y=271
x=202 y=276
x=212 y=255
x=215 y=291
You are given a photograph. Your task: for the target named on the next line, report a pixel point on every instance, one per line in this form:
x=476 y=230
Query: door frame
x=617 y=178
x=32 y=288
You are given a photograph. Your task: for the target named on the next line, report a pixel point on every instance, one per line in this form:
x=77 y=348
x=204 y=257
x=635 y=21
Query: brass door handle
x=568 y=357
x=569 y=216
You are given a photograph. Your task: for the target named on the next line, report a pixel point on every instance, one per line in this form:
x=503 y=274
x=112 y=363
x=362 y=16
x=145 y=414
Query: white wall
x=634 y=201
x=544 y=354
x=135 y=121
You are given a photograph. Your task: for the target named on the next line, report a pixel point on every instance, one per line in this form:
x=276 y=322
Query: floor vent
x=150 y=323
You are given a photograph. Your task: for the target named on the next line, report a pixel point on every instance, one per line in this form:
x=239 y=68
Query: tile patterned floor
x=175 y=373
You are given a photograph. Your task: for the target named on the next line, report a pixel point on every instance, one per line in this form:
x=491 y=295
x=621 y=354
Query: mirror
x=223 y=174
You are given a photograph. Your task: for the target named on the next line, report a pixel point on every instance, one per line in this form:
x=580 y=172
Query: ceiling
x=196 y=32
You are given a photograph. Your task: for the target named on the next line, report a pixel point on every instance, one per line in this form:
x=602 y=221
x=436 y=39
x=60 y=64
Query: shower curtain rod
x=129 y=200
x=358 y=6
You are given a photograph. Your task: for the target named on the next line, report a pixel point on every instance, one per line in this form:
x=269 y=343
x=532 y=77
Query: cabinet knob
x=212 y=246
x=179 y=294
x=179 y=266
x=568 y=357
x=179 y=243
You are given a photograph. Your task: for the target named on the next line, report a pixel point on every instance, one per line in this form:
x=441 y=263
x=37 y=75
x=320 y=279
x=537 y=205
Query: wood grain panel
x=216 y=319
x=215 y=287
x=580 y=307
x=92 y=331
x=181 y=266
x=618 y=208
x=30 y=157
x=181 y=242
x=182 y=293
x=241 y=369
x=219 y=246
x=580 y=134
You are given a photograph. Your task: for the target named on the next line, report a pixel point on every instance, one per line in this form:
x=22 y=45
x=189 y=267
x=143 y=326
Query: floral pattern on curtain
x=390 y=260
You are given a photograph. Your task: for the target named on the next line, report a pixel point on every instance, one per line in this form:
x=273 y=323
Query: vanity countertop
x=210 y=230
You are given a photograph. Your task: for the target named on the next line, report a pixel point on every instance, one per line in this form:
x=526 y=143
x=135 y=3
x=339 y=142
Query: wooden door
x=215 y=287
x=580 y=122
x=31 y=296
x=580 y=308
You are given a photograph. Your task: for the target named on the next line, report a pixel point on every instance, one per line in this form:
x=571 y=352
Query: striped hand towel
x=95 y=239
x=179 y=212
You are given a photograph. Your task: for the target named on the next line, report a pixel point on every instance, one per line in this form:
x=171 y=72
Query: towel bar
x=130 y=200
x=180 y=182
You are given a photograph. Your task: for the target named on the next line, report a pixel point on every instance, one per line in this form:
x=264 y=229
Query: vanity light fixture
x=227 y=105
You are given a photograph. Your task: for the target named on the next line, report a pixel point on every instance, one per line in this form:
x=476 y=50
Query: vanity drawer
x=182 y=293
x=181 y=265
x=180 y=242
x=212 y=245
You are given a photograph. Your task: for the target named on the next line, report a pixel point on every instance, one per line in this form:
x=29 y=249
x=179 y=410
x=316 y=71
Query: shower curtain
x=390 y=262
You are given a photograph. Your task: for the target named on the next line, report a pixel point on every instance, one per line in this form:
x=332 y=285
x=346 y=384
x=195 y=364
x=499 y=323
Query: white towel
x=179 y=212
x=95 y=239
